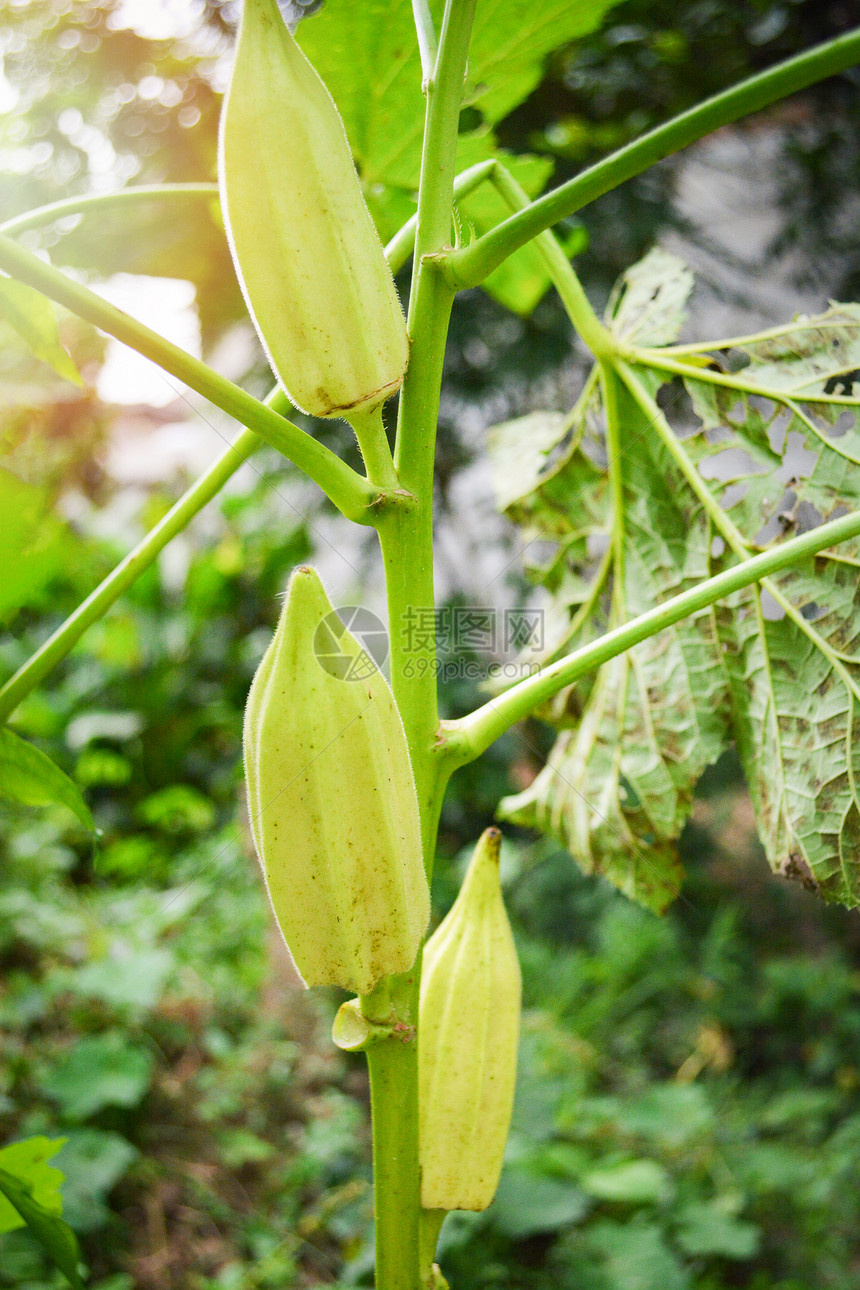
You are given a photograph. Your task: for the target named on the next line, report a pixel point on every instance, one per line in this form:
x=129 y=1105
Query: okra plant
x=700 y=596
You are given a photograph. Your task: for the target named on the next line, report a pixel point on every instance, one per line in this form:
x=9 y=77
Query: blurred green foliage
x=688 y=1107
x=653 y=58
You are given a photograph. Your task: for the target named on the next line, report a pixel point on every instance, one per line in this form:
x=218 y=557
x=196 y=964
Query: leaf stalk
x=350 y=493
x=470 y=265
x=460 y=742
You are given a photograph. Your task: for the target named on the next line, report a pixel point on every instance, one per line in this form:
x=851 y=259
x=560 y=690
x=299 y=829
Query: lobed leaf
x=617 y=790
x=793 y=665
x=774 y=439
x=647 y=306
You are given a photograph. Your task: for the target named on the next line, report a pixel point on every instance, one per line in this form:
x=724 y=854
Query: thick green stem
x=470 y=265
x=352 y=495
x=466 y=739
x=393 y=1067
x=406 y=536
x=401 y=246
x=439 y=152
x=406 y=539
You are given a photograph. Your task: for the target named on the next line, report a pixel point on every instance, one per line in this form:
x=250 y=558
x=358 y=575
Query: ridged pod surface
x=468 y=1030
x=332 y=801
x=307 y=254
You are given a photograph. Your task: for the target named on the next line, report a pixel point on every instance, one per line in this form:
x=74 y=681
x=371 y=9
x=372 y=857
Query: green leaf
x=29 y=776
x=707 y=1229
x=133 y=980
x=780 y=462
x=668 y=1115
x=774 y=452
x=508 y=46
x=617 y=790
x=100 y=1070
x=29 y=1195
x=637 y=1182
x=647 y=306
x=34 y=318
x=538 y=465
x=384 y=116
x=94 y=1161
x=28 y=1162
x=636 y=1255
x=178 y=809
x=240 y=1147
x=527 y=1203
x=34 y=544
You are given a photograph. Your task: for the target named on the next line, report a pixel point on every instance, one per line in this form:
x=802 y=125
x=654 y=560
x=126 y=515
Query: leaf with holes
x=778 y=447
x=759 y=442
x=647 y=306
x=617 y=790
x=773 y=455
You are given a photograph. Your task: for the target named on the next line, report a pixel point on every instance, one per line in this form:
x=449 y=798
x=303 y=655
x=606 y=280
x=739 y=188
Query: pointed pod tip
x=490 y=844
x=306 y=584
x=484 y=872
x=304 y=606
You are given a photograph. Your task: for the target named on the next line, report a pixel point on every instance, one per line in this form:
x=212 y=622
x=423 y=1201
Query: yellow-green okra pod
x=332 y=800
x=307 y=254
x=468 y=1030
